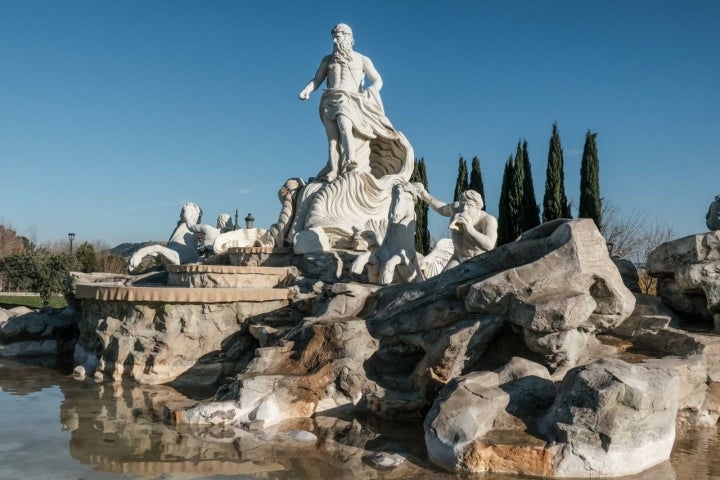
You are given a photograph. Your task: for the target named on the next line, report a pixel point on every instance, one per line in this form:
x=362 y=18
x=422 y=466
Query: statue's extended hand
x=420 y=190
x=305 y=94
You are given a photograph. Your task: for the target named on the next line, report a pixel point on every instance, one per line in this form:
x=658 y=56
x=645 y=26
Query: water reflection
x=107 y=431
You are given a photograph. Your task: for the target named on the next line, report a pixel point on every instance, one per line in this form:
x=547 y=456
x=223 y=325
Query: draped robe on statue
x=358 y=199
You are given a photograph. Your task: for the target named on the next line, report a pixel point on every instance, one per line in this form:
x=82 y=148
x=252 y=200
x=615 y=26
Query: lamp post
x=249 y=221
x=71 y=237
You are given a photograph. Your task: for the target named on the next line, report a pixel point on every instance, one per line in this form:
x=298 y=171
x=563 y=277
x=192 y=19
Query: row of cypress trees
x=518 y=210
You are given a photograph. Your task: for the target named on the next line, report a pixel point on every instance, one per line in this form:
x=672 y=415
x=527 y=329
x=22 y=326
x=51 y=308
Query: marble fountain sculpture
x=513 y=356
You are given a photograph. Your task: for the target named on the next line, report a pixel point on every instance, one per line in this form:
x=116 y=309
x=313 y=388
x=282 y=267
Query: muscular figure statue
x=349 y=113
x=473 y=230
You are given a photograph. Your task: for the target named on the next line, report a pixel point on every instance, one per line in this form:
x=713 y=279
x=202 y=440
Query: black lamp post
x=71 y=237
x=249 y=221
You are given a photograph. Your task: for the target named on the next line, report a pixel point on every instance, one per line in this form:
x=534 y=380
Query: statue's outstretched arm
x=319 y=78
x=444 y=209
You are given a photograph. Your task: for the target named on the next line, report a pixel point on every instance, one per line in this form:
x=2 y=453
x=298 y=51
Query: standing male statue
x=473 y=230
x=712 y=218
x=350 y=113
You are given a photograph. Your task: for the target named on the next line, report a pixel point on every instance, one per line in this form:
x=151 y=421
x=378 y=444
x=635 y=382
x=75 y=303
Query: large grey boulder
x=609 y=418
x=612 y=418
x=556 y=285
x=688 y=273
x=563 y=287
x=480 y=422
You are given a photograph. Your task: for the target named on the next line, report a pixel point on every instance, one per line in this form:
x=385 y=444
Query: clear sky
x=115 y=113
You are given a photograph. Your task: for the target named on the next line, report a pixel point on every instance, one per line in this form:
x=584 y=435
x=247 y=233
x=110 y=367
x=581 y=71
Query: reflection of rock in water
x=25 y=375
x=120 y=429
x=695 y=453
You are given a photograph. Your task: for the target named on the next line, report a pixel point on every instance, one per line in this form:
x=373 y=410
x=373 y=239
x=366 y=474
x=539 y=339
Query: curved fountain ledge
x=229 y=276
x=114 y=292
x=198 y=283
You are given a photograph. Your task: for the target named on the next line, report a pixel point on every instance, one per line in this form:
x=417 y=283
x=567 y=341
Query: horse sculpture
x=396 y=258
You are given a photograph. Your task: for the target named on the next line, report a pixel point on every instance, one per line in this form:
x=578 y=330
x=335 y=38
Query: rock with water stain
x=484 y=421
x=609 y=418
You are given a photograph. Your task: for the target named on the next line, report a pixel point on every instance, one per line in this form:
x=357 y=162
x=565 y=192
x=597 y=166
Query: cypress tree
x=555 y=203
x=422 y=232
x=504 y=205
x=462 y=179
x=510 y=207
x=531 y=210
x=476 y=181
x=517 y=196
x=590 y=201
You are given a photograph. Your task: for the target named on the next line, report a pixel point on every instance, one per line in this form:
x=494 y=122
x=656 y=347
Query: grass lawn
x=8 y=300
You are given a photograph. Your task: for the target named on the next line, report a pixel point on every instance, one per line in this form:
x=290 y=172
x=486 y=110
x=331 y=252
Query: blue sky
x=115 y=113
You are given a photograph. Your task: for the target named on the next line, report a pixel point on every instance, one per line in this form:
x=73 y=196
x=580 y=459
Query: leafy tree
x=530 y=208
x=422 y=232
x=510 y=207
x=38 y=270
x=555 y=202
x=462 y=179
x=476 y=181
x=590 y=201
x=111 y=263
x=87 y=258
x=11 y=242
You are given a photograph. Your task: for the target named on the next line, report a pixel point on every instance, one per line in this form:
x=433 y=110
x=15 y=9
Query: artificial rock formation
x=608 y=418
x=688 y=273
x=552 y=291
x=480 y=346
x=29 y=332
x=612 y=418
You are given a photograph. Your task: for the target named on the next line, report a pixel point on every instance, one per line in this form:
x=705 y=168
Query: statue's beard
x=342 y=51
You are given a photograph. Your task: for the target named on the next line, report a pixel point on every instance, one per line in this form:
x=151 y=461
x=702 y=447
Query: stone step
x=229 y=276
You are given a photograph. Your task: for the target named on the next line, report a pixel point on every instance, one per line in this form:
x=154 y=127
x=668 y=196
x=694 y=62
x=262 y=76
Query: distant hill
x=127 y=249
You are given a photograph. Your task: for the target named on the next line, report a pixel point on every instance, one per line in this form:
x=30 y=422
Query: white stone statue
x=242 y=237
x=349 y=112
x=473 y=230
x=391 y=259
x=210 y=233
x=182 y=247
x=367 y=157
x=712 y=218
x=276 y=235
x=397 y=259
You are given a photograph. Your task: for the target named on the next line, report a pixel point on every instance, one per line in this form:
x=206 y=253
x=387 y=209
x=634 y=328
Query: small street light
x=71 y=236
x=249 y=221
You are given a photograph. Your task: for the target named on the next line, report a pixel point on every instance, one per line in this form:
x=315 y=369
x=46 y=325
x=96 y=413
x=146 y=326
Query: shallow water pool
x=54 y=427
